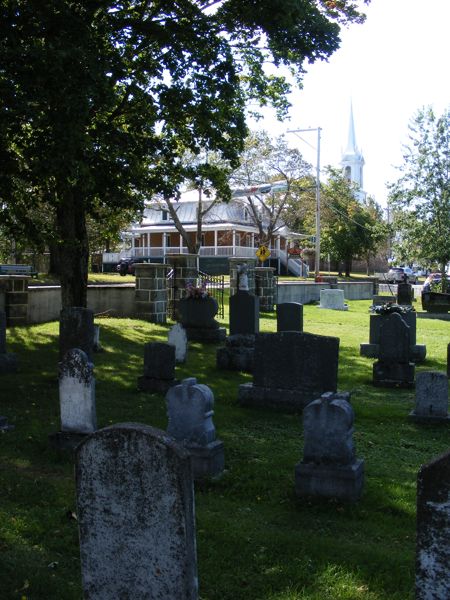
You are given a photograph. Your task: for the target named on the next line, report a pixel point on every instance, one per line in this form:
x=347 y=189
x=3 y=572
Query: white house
x=227 y=229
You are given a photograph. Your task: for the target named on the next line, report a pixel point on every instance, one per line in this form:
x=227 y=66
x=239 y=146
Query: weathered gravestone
x=8 y=361
x=190 y=412
x=371 y=350
x=405 y=293
x=290 y=316
x=394 y=367
x=76 y=400
x=238 y=352
x=97 y=347
x=178 y=338
x=290 y=370
x=329 y=467
x=433 y=530
x=431 y=397
x=135 y=508
x=159 y=368
x=332 y=299
x=76 y=330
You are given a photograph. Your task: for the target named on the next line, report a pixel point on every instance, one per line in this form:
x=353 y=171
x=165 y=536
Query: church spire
x=352 y=159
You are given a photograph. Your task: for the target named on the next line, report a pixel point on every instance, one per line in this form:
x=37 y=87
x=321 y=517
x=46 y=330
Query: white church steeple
x=352 y=159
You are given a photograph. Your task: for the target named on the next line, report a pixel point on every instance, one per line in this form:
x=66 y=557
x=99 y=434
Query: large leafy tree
x=270 y=161
x=101 y=98
x=350 y=228
x=420 y=198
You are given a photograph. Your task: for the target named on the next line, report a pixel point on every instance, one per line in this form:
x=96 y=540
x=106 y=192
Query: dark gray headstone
x=291 y=369
x=290 y=316
x=431 y=397
x=159 y=367
x=433 y=530
x=394 y=367
x=244 y=313
x=405 y=293
x=76 y=330
x=190 y=412
x=329 y=467
x=135 y=507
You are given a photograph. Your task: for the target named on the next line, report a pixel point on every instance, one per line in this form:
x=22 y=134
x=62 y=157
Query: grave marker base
x=330 y=481
x=279 y=399
x=206 y=334
x=152 y=384
x=66 y=441
x=418 y=418
x=207 y=461
x=393 y=374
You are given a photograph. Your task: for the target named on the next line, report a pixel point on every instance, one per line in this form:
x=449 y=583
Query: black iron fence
x=214 y=285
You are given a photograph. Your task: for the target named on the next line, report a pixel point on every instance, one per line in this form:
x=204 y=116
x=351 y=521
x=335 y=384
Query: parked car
x=397 y=275
x=126 y=266
x=434 y=278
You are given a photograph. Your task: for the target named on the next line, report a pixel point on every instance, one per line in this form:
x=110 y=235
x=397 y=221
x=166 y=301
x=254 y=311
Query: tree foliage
x=102 y=98
x=420 y=198
x=350 y=228
x=267 y=161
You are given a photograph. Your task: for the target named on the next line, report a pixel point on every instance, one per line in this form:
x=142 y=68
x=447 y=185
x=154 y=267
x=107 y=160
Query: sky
x=394 y=64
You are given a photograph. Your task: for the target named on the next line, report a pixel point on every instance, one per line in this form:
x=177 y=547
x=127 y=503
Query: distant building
x=352 y=161
x=227 y=231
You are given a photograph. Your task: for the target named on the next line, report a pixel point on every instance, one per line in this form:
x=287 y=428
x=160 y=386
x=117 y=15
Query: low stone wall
x=310 y=292
x=44 y=302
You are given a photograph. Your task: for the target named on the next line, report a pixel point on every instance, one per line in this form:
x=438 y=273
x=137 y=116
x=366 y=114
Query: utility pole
x=317 y=248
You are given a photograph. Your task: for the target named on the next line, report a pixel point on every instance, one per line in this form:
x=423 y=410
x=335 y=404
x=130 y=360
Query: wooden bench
x=18 y=270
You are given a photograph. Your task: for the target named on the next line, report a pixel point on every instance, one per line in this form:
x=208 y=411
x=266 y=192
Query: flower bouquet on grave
x=391 y=307
x=196 y=291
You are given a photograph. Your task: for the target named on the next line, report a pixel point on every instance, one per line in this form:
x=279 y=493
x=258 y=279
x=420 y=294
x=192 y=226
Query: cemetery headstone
x=290 y=316
x=190 y=412
x=76 y=330
x=97 y=347
x=197 y=317
x=159 y=368
x=178 y=338
x=371 y=350
x=405 y=293
x=8 y=361
x=329 y=467
x=332 y=299
x=135 y=508
x=290 y=370
x=394 y=367
x=431 y=397
x=237 y=354
x=76 y=400
x=433 y=530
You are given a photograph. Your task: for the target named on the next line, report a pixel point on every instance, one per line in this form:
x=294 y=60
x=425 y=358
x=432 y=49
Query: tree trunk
x=54 y=268
x=73 y=250
x=348 y=266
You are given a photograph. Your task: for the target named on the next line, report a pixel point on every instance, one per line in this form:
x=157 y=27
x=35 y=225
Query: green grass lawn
x=256 y=540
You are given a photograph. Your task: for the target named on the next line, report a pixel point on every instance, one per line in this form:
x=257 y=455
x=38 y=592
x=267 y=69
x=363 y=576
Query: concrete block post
x=265 y=288
x=151 y=292
x=185 y=269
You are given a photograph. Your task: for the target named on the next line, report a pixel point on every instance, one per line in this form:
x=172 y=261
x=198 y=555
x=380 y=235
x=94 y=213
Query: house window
x=165 y=215
x=246 y=215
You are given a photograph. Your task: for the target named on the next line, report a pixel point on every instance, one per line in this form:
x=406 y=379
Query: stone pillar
x=185 y=269
x=234 y=263
x=15 y=298
x=265 y=288
x=151 y=292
